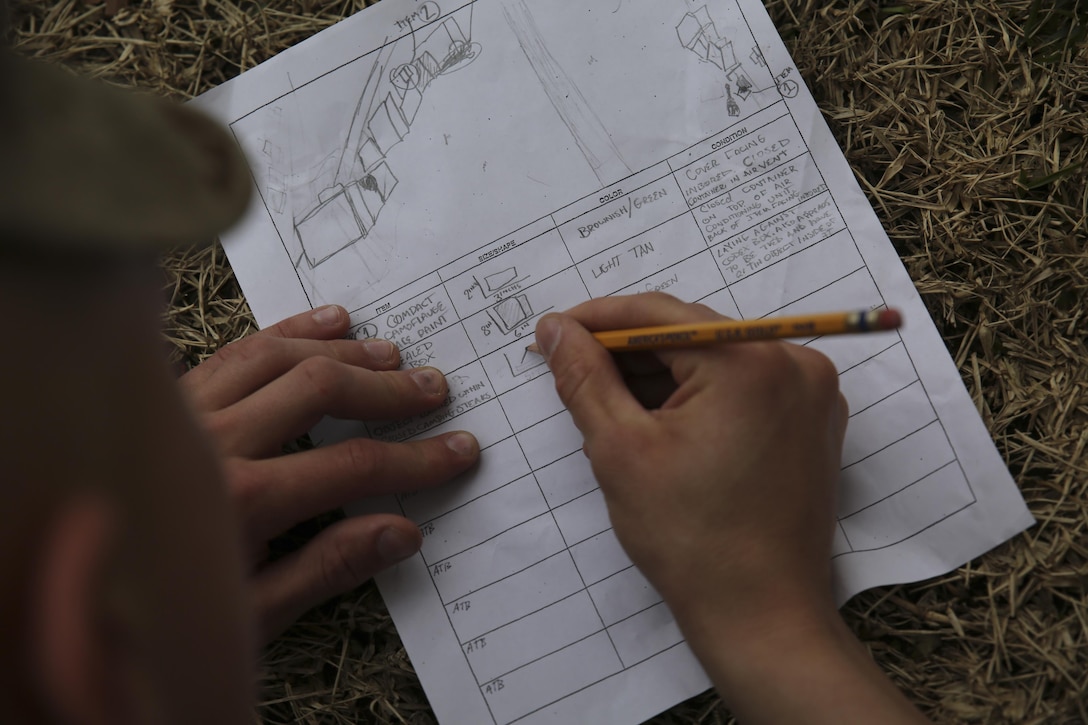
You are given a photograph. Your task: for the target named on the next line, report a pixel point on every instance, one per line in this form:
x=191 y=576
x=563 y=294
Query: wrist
x=739 y=642
x=801 y=665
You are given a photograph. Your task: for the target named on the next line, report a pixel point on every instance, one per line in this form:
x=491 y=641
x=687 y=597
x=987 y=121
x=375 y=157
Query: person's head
x=121 y=579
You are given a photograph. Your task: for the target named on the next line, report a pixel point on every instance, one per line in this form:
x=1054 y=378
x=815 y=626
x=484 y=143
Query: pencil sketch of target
x=510 y=313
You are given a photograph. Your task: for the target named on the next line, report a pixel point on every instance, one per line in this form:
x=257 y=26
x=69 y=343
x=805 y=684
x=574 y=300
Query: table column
x=639 y=236
x=635 y=236
x=783 y=248
x=528 y=582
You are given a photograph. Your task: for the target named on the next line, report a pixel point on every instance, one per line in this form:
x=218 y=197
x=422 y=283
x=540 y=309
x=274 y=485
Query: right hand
x=724 y=496
x=722 y=491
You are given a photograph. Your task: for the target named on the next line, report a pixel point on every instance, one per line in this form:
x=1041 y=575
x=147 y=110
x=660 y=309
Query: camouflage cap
x=86 y=165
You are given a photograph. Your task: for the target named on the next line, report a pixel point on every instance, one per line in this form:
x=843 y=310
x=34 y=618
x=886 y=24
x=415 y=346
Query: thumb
x=586 y=378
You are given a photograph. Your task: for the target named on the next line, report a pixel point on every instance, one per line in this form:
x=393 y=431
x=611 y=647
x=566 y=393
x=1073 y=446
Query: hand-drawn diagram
x=499 y=280
x=512 y=311
x=513 y=315
x=508 y=314
x=497 y=284
x=698 y=34
x=593 y=139
x=519 y=365
x=349 y=201
x=349 y=206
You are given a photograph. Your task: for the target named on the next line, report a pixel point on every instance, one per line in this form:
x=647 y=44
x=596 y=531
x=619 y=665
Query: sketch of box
x=381 y=180
x=698 y=34
x=328 y=228
x=366 y=203
x=413 y=99
x=369 y=153
x=715 y=53
x=511 y=312
x=387 y=125
x=428 y=68
x=689 y=31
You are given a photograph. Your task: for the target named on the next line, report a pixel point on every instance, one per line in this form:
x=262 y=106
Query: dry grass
x=967 y=125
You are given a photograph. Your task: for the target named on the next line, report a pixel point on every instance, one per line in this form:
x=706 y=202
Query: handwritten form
x=450 y=171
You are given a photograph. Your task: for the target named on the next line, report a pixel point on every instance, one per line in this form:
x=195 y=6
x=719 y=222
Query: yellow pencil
x=708 y=333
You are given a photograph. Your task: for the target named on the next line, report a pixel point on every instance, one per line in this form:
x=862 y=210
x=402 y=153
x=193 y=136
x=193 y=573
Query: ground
x=966 y=124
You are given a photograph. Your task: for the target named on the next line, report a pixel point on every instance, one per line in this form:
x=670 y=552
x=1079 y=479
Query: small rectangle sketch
x=498 y=280
x=331 y=226
x=387 y=126
x=344 y=215
x=511 y=312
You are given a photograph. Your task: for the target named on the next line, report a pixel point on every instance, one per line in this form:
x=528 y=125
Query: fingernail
x=547 y=335
x=463 y=444
x=429 y=380
x=395 y=545
x=327 y=315
x=379 y=350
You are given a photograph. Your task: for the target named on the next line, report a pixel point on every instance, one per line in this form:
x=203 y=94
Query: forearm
x=805 y=673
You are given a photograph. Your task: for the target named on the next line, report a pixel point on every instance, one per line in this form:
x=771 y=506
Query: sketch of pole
x=589 y=133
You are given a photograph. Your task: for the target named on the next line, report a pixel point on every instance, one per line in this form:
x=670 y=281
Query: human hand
x=261 y=392
x=731 y=478
x=719 y=467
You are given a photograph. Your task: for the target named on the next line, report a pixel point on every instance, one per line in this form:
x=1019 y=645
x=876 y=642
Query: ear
x=69 y=646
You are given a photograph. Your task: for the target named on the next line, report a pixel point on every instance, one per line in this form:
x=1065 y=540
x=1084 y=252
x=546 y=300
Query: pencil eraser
x=889 y=320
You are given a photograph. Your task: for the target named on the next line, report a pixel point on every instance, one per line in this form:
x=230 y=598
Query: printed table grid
x=546 y=615
x=475 y=323
x=521 y=588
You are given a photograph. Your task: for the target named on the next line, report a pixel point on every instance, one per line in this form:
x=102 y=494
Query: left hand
x=261 y=392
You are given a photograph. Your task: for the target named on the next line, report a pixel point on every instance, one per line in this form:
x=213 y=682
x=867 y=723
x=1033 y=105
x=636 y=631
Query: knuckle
x=706 y=312
x=361 y=456
x=244 y=350
x=339 y=570
x=822 y=371
x=324 y=376
x=774 y=361
x=221 y=427
x=244 y=487
x=571 y=378
x=394 y=384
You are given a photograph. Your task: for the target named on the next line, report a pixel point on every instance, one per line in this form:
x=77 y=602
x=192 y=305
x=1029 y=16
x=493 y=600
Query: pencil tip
x=532 y=347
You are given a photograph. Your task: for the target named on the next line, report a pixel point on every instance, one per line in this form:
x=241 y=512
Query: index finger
x=330 y=322
x=639 y=310
x=323 y=323
x=586 y=378
x=648 y=309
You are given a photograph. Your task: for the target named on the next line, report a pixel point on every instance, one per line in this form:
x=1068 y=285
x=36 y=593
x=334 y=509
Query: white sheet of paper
x=450 y=172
